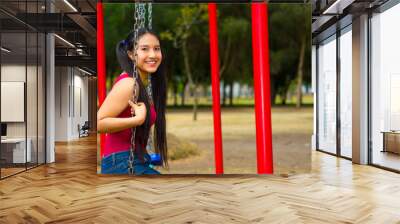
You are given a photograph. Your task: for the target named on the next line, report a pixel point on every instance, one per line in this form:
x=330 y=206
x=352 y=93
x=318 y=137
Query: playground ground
x=291 y=127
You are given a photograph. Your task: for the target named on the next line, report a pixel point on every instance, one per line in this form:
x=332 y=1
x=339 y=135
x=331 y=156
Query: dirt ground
x=292 y=130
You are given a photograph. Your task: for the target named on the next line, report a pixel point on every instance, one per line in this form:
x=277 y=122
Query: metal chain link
x=149 y=91
x=150 y=148
x=140 y=22
x=149 y=15
x=142 y=15
x=135 y=95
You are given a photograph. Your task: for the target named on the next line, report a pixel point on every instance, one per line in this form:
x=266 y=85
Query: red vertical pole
x=101 y=65
x=259 y=18
x=212 y=13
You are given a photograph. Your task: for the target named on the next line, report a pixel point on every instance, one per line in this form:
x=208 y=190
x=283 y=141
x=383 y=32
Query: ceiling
x=327 y=13
x=74 y=21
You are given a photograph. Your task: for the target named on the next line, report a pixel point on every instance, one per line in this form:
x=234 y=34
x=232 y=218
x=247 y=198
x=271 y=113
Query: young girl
x=118 y=114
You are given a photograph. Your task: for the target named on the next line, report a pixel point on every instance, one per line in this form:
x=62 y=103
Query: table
x=391 y=141
x=13 y=150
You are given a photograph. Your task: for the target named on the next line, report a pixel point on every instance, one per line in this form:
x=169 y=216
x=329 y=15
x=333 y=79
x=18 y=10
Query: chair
x=84 y=130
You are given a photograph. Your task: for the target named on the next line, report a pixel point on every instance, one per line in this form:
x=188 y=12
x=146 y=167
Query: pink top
x=121 y=141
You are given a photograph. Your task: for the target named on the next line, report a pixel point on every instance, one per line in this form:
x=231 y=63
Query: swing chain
x=140 y=22
x=142 y=14
x=135 y=96
x=131 y=152
x=149 y=147
x=149 y=15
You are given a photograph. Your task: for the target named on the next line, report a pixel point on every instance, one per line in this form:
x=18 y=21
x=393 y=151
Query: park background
x=183 y=29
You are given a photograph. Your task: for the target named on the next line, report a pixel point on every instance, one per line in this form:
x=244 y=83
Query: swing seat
x=155 y=159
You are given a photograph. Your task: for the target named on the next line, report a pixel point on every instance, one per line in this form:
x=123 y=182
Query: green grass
x=205 y=102
x=307 y=100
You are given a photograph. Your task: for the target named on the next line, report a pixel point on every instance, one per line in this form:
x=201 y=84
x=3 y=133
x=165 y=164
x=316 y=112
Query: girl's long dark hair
x=159 y=91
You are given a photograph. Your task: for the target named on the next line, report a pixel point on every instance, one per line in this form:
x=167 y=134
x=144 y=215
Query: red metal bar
x=101 y=65
x=212 y=13
x=259 y=18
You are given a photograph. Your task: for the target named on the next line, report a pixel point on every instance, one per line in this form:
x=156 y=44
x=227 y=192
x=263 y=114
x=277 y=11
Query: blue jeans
x=117 y=163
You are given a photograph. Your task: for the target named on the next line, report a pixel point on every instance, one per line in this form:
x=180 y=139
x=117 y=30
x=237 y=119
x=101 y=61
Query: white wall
x=80 y=100
x=61 y=103
x=50 y=96
x=34 y=123
x=13 y=73
x=71 y=102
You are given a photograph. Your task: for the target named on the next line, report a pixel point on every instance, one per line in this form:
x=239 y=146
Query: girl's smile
x=148 y=55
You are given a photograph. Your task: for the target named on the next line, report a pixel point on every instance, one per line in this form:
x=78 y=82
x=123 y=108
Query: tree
x=187 y=24
x=304 y=40
x=289 y=44
x=234 y=46
x=115 y=14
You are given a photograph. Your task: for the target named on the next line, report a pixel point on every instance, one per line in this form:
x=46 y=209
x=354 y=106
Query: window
x=385 y=88
x=22 y=77
x=346 y=92
x=327 y=95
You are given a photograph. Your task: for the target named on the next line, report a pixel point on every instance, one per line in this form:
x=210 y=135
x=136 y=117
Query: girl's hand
x=138 y=110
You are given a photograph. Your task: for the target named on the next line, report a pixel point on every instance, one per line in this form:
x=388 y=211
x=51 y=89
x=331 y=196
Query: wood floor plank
x=70 y=191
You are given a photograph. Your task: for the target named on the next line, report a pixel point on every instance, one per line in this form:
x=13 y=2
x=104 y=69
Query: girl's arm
x=116 y=102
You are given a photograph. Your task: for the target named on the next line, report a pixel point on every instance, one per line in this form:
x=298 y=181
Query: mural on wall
x=174 y=56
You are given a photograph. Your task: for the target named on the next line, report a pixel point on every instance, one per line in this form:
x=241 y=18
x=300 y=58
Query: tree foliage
x=183 y=29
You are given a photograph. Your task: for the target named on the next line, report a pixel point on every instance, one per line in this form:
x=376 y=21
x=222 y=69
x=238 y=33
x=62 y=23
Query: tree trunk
x=192 y=86
x=289 y=96
x=205 y=92
x=273 y=91
x=283 y=96
x=231 y=94
x=240 y=91
x=196 y=102
x=300 y=73
x=223 y=94
x=183 y=94
x=175 y=90
x=225 y=59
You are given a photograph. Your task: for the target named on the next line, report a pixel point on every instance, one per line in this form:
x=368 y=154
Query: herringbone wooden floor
x=70 y=191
